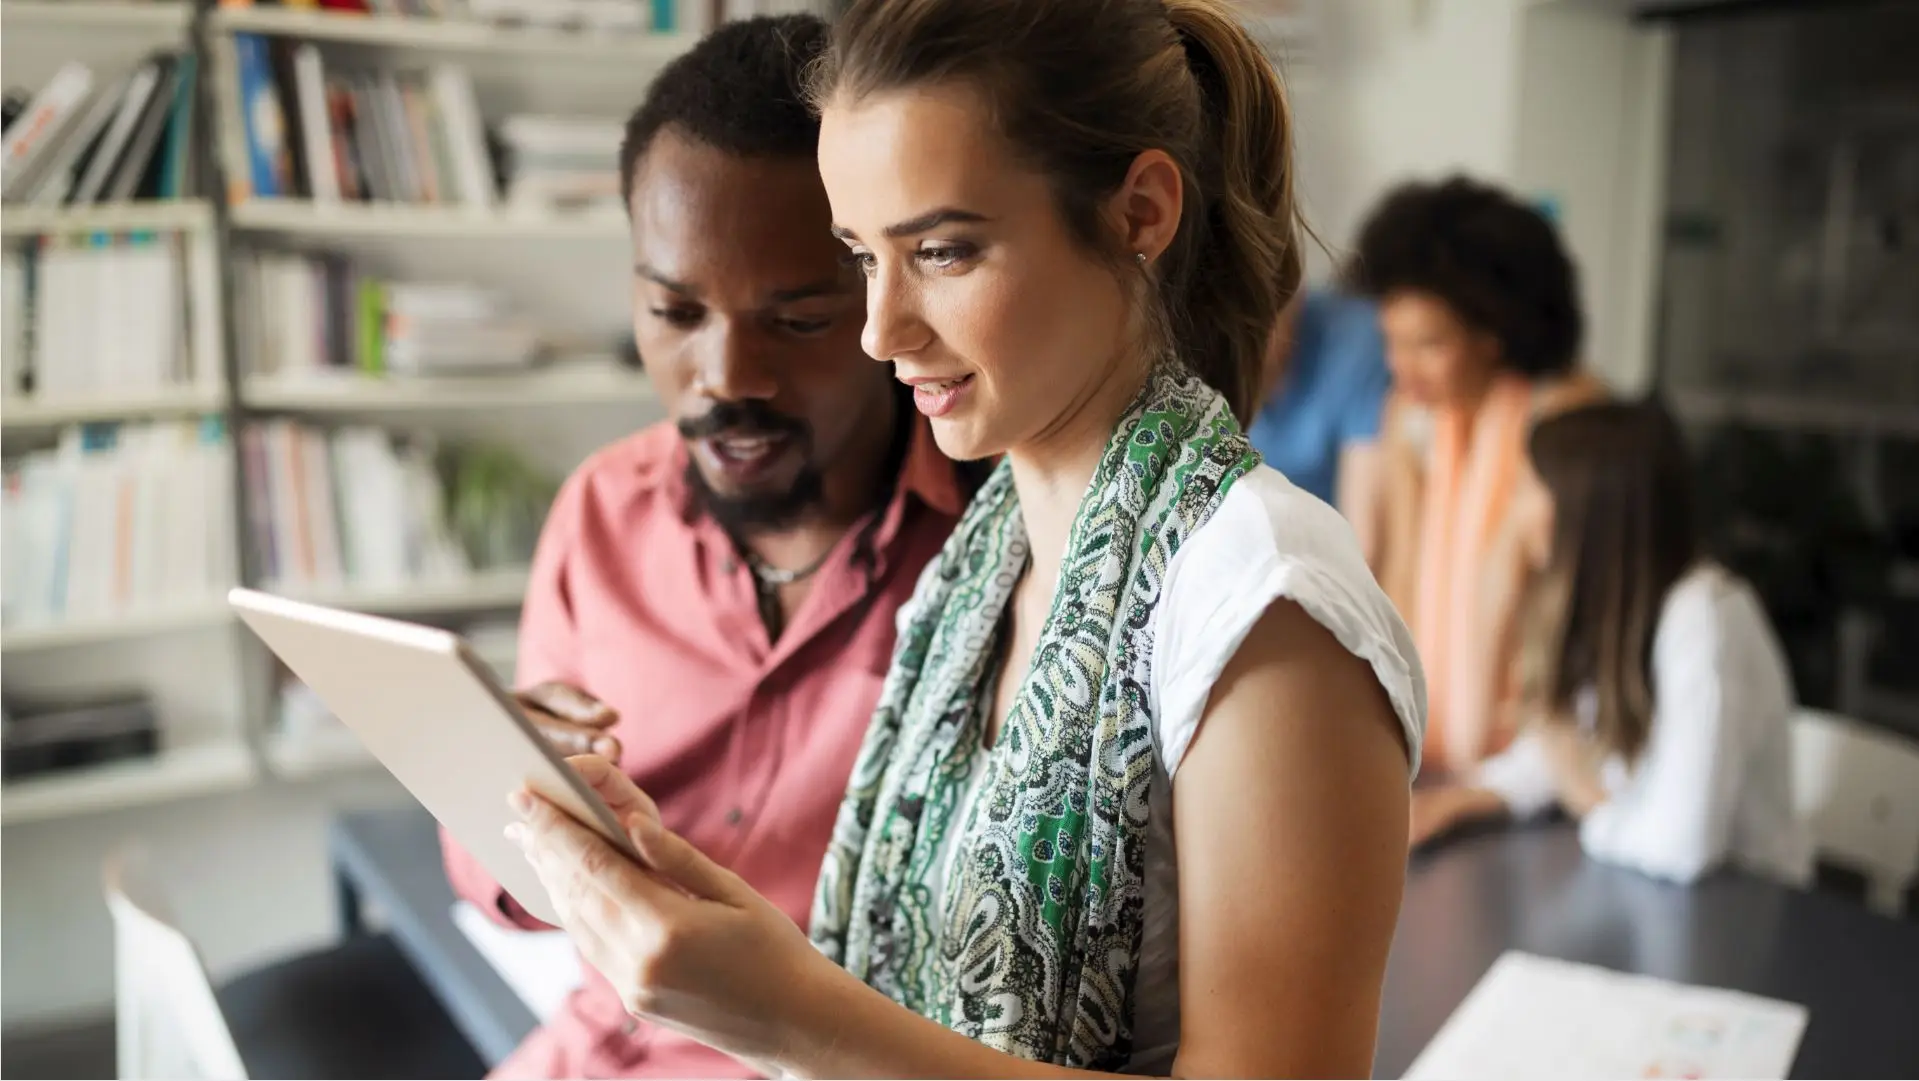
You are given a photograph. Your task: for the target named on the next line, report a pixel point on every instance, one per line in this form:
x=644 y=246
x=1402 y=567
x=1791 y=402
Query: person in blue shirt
x=1327 y=384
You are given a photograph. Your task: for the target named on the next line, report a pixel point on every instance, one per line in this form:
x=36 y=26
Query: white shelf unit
x=453 y=35
x=362 y=395
x=481 y=592
x=569 y=271
x=340 y=221
x=22 y=412
x=182 y=215
x=118 y=627
x=328 y=750
x=193 y=770
x=160 y=18
x=192 y=219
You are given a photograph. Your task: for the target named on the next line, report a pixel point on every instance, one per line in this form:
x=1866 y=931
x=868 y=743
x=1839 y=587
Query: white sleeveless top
x=1266 y=541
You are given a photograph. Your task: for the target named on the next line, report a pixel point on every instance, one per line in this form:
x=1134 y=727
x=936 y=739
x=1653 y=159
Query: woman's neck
x=1052 y=471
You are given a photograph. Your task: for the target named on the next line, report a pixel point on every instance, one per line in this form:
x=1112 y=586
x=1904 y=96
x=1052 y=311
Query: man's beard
x=757 y=511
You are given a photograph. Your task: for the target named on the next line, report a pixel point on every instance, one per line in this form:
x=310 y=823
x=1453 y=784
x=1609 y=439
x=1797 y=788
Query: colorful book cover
x=265 y=123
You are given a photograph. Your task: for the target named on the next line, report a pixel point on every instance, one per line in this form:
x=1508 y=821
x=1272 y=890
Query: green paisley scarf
x=1033 y=944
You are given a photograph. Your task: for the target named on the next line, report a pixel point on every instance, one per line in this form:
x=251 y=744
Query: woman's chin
x=963 y=440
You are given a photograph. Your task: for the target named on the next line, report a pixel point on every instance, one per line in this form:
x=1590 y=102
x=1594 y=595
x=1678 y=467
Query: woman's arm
x=1290 y=810
x=1674 y=819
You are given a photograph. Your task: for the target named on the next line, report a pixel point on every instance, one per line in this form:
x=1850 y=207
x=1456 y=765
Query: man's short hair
x=738 y=90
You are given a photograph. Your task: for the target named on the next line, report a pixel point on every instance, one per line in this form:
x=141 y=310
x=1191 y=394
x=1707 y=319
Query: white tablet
x=430 y=711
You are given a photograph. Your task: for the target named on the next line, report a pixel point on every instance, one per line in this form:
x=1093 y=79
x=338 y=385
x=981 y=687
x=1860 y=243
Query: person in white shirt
x=1656 y=695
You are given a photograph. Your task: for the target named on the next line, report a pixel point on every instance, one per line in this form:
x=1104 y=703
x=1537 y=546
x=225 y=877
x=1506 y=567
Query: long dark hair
x=1623 y=533
x=1081 y=88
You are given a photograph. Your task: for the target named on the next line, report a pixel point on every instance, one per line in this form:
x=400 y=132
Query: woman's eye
x=944 y=256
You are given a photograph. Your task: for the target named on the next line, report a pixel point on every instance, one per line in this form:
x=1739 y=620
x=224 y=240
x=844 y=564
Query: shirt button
x=734 y=816
x=630 y=1026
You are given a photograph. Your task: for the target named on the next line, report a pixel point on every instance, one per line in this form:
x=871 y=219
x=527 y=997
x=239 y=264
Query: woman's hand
x=684 y=941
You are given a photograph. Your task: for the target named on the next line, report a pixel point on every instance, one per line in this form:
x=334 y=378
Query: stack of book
x=562 y=163
x=357 y=136
x=612 y=15
x=82 y=140
x=96 y=314
x=118 y=520
x=346 y=507
x=301 y=315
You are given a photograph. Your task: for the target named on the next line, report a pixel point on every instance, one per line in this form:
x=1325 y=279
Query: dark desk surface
x=392 y=860
x=1467 y=902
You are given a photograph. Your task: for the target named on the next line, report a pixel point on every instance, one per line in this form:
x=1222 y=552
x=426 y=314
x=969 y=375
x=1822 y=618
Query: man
x=726 y=583
x=1326 y=388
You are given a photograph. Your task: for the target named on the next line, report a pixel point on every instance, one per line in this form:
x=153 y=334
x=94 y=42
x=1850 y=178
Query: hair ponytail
x=1181 y=76
x=1244 y=263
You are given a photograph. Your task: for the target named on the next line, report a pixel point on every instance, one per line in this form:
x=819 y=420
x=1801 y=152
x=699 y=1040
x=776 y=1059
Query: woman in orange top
x=1479 y=304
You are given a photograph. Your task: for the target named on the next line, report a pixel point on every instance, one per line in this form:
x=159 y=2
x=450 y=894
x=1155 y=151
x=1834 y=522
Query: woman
x=1660 y=698
x=1148 y=729
x=1480 y=308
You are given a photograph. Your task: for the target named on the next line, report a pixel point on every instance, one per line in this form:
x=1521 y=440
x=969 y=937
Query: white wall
x=1400 y=89
x=1562 y=99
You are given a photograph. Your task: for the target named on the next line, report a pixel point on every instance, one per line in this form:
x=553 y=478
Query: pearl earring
x=1140 y=257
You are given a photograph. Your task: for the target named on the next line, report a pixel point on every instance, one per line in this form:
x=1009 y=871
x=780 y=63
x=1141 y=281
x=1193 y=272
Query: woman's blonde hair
x=1082 y=87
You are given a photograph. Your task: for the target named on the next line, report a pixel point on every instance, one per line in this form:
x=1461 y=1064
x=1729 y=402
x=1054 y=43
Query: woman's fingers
x=675 y=859
x=613 y=786
x=569 y=856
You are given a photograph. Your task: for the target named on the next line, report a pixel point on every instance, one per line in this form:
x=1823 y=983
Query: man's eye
x=806 y=326
x=677 y=317
x=859 y=260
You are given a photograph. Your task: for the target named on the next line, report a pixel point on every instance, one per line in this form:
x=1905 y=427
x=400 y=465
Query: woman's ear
x=1147 y=206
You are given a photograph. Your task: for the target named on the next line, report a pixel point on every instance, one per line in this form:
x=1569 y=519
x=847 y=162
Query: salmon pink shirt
x=745 y=743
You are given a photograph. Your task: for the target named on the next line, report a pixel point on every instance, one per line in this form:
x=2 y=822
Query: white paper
x=1533 y=1017
x=541 y=966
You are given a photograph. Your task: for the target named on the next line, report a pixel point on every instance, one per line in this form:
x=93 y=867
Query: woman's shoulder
x=1267 y=541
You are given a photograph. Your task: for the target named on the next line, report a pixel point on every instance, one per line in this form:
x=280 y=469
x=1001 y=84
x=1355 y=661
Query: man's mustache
x=741 y=418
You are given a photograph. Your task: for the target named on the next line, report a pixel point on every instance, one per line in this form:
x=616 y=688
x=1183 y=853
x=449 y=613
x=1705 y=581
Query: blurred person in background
x=1656 y=696
x=1326 y=384
x=1479 y=305
x=712 y=604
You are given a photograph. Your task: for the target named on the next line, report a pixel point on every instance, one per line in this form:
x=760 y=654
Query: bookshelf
x=309 y=221
x=298 y=757
x=166 y=19
x=120 y=627
x=174 y=215
x=211 y=683
x=453 y=36
x=224 y=765
x=18 y=413
x=481 y=592
x=360 y=396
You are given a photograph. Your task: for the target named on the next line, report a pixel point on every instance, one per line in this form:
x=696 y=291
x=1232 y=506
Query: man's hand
x=572 y=720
